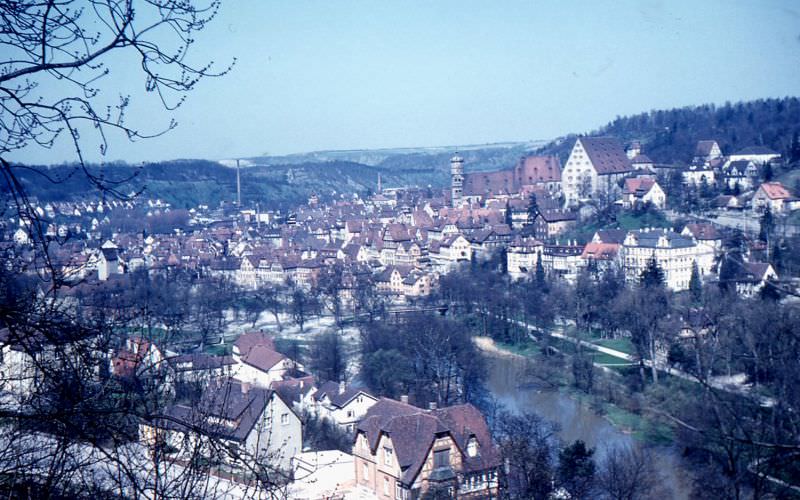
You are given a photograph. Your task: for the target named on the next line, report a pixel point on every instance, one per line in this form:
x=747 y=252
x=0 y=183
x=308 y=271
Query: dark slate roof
x=292 y=390
x=606 y=154
x=650 y=238
x=224 y=411
x=612 y=235
x=413 y=431
x=338 y=399
x=704 y=148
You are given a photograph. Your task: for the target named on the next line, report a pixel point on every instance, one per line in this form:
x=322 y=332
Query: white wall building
x=594 y=167
x=674 y=253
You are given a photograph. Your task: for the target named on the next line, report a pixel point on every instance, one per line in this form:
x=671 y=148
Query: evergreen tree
x=794 y=151
x=576 y=469
x=695 y=283
x=653 y=275
x=509 y=217
x=767 y=224
x=533 y=208
x=766 y=172
x=540 y=277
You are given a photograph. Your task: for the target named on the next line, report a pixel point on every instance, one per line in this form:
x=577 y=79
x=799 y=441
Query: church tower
x=457 y=180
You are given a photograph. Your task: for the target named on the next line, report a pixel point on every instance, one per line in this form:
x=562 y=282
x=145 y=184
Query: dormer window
x=472 y=447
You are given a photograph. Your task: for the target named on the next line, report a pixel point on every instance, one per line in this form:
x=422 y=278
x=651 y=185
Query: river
x=508 y=383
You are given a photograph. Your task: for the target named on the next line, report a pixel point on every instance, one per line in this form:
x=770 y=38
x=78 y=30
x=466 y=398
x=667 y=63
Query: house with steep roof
x=401 y=452
x=593 y=168
x=342 y=404
x=775 y=196
x=753 y=277
x=601 y=256
x=740 y=172
x=707 y=151
x=642 y=164
x=231 y=423
x=641 y=190
x=257 y=361
x=705 y=233
x=551 y=223
x=108 y=261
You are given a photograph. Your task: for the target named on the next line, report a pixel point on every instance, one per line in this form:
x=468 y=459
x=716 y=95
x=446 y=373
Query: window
x=472 y=447
x=387 y=455
x=284 y=418
x=441 y=458
x=386 y=486
x=365 y=473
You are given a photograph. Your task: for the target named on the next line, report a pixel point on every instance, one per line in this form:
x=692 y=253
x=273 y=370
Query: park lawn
x=621 y=344
x=607 y=359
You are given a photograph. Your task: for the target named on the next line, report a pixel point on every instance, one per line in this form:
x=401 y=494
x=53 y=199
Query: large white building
x=594 y=167
x=674 y=253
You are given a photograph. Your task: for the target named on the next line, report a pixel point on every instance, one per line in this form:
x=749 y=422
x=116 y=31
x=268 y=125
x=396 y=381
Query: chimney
x=301 y=383
x=245 y=387
x=432 y=405
x=342 y=387
x=404 y=398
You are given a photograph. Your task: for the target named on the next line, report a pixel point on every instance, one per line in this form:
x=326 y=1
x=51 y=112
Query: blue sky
x=365 y=74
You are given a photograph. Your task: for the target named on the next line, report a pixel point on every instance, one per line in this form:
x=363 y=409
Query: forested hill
x=187 y=183
x=668 y=136
x=671 y=135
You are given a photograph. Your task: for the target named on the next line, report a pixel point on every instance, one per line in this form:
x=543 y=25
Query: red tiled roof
x=775 y=191
x=639 y=186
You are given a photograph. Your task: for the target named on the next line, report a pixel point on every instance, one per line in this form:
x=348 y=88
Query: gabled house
x=707 y=151
x=705 y=233
x=342 y=404
x=551 y=223
x=641 y=190
x=740 y=172
x=401 y=452
x=138 y=358
x=753 y=277
x=108 y=261
x=594 y=167
x=258 y=363
x=232 y=423
x=601 y=256
x=775 y=196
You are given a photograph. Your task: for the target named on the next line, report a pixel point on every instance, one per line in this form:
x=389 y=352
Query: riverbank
x=623 y=420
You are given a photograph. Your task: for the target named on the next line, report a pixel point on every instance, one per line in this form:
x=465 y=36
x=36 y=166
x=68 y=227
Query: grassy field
x=621 y=344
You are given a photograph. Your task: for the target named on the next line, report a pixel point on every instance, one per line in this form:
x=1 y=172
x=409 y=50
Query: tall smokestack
x=238 y=188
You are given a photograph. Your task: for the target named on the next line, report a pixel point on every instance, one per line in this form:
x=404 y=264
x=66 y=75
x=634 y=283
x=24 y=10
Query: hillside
x=670 y=136
x=187 y=183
